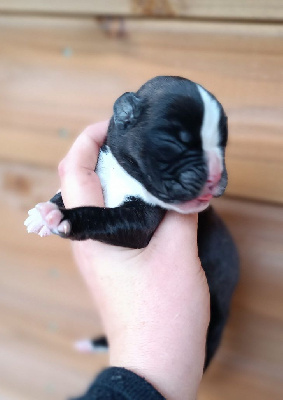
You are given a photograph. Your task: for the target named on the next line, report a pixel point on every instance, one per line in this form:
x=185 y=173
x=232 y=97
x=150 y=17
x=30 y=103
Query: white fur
x=86 y=346
x=210 y=129
x=116 y=183
x=210 y=123
x=36 y=224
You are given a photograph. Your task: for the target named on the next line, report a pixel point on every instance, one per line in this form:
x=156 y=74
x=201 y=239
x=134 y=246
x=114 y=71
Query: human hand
x=153 y=302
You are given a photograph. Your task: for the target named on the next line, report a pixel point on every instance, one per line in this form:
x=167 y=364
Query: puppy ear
x=126 y=109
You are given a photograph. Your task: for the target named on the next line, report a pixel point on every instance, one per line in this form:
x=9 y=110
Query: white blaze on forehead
x=210 y=133
x=210 y=124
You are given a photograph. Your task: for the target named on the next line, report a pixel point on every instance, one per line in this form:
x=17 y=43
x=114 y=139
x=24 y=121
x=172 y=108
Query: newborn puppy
x=164 y=150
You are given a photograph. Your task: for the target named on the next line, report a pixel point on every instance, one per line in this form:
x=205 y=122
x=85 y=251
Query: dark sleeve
x=120 y=384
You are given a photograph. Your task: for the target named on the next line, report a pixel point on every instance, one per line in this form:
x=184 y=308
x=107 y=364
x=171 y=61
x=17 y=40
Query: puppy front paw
x=36 y=224
x=45 y=219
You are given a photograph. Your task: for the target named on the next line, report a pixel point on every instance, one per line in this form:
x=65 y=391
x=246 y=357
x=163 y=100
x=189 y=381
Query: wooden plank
x=44 y=306
x=255 y=161
x=111 y=7
x=59 y=75
x=214 y=9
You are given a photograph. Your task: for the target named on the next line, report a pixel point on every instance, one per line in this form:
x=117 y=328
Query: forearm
x=156 y=336
x=169 y=357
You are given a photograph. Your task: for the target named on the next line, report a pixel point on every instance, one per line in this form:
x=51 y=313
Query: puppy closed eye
x=184 y=136
x=170 y=149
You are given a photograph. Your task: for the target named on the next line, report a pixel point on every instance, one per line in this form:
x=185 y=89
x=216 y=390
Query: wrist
x=171 y=382
x=175 y=368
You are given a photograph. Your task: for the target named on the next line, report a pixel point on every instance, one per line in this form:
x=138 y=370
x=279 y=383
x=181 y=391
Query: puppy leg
x=130 y=225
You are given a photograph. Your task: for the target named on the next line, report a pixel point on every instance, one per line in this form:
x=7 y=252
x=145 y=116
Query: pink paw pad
x=45 y=219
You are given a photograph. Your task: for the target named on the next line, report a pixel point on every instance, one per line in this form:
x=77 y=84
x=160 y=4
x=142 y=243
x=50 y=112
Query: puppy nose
x=213 y=180
x=215 y=166
x=210 y=186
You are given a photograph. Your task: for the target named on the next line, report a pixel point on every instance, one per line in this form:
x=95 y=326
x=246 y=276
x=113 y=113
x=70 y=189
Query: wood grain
x=59 y=75
x=44 y=306
x=213 y=9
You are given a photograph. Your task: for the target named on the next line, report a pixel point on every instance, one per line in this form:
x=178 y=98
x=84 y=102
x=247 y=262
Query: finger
x=80 y=186
x=176 y=231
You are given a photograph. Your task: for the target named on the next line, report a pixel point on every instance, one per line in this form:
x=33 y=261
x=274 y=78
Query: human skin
x=153 y=302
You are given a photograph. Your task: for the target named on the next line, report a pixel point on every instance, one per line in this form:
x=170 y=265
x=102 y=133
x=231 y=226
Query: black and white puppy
x=164 y=150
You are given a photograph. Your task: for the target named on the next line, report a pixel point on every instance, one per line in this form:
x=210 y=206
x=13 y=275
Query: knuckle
x=89 y=128
x=88 y=131
x=63 y=167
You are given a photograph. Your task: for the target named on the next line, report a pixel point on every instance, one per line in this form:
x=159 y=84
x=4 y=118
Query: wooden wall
x=264 y=10
x=53 y=65
x=62 y=65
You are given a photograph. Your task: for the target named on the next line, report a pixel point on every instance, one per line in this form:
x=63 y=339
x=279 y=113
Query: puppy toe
x=53 y=219
x=45 y=208
x=34 y=222
x=64 y=228
x=44 y=231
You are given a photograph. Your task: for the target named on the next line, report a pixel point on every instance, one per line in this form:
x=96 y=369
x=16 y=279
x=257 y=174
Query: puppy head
x=171 y=137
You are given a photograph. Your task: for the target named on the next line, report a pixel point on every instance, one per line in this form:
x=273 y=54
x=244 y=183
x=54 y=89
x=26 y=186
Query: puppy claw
x=64 y=228
x=44 y=231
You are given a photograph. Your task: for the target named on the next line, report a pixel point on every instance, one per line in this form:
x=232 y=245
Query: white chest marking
x=116 y=183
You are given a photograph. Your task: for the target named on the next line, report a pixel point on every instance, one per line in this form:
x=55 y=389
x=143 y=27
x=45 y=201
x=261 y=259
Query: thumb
x=80 y=185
